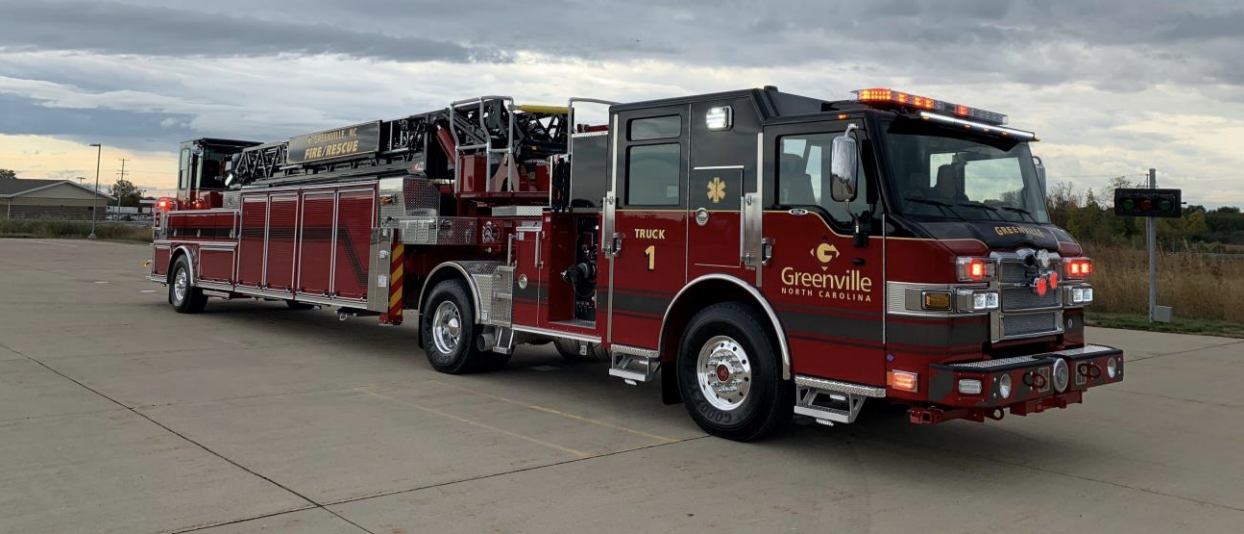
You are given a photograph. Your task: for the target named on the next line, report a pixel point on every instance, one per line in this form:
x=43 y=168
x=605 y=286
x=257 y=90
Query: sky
x=1113 y=87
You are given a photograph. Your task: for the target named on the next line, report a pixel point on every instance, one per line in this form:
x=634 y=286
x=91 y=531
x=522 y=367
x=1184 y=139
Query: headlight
x=1081 y=295
x=1112 y=367
x=1004 y=386
x=1060 y=375
x=969 y=386
x=977 y=301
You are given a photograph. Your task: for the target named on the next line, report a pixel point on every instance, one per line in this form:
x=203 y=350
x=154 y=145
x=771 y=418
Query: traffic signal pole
x=1151 y=236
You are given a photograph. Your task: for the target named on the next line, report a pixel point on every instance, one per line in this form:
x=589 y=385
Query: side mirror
x=1040 y=175
x=844 y=166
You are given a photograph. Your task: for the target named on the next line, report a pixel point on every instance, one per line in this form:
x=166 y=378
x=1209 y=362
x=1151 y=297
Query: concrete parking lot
x=118 y=415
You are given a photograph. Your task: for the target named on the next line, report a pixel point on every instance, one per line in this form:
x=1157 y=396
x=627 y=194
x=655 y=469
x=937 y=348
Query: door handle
x=615 y=244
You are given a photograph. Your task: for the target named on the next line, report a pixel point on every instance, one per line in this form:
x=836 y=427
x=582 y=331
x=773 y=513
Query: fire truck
x=758 y=254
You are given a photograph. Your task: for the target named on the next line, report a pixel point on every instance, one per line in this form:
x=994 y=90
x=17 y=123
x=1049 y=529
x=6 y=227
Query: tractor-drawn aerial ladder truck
x=758 y=254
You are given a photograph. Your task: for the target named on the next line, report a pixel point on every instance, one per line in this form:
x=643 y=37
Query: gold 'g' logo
x=824 y=253
x=716 y=190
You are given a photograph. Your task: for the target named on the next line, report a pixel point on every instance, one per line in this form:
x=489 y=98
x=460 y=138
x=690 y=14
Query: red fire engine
x=773 y=254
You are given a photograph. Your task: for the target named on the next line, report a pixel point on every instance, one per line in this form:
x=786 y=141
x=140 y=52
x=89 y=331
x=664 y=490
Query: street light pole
x=99 y=149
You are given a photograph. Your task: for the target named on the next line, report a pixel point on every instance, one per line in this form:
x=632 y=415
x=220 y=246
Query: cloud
x=116 y=28
x=1113 y=87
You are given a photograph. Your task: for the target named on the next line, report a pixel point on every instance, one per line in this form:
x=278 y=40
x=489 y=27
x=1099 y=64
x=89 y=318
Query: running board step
x=832 y=401
x=634 y=364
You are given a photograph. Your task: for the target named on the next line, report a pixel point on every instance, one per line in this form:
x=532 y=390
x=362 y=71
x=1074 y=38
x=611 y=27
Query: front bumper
x=1020 y=384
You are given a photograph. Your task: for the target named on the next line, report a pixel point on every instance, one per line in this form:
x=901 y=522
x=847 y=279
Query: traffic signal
x=1148 y=203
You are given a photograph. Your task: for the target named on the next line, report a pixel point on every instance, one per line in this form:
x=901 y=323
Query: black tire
x=452 y=348
x=733 y=332
x=182 y=294
x=295 y=305
x=569 y=349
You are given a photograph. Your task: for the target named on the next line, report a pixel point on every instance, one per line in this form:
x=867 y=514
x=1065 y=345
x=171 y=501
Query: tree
x=128 y=193
x=8 y=174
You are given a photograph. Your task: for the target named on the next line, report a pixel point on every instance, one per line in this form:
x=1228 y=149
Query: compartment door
x=315 y=257
x=282 y=226
x=356 y=216
x=251 y=247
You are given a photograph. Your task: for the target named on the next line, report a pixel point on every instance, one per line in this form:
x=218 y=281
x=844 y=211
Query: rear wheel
x=449 y=331
x=730 y=376
x=182 y=294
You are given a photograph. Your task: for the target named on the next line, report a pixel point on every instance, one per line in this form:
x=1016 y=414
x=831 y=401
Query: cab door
x=645 y=221
x=828 y=288
x=723 y=169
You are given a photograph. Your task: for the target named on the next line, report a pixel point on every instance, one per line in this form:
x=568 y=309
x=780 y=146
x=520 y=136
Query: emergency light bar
x=986 y=128
x=891 y=96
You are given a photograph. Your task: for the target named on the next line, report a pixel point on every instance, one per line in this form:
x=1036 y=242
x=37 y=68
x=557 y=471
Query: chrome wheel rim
x=724 y=372
x=181 y=282
x=447 y=327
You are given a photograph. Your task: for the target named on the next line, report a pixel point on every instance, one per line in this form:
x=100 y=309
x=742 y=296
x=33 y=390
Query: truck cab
x=898 y=245
x=202 y=169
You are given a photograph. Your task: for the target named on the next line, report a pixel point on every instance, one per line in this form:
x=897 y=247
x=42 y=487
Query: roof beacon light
x=900 y=98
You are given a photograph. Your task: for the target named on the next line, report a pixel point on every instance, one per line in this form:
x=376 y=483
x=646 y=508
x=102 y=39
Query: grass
x=1197 y=286
x=54 y=229
x=1180 y=325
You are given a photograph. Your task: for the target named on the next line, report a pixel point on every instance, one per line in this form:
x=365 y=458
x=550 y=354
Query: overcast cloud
x=1113 y=87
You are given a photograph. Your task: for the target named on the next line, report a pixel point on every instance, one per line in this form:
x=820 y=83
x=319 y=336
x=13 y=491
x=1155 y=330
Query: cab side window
x=654 y=161
x=183 y=180
x=653 y=172
x=803 y=177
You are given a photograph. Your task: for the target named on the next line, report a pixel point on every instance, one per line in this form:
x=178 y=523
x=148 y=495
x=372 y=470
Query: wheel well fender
x=448 y=271
x=179 y=251
x=711 y=289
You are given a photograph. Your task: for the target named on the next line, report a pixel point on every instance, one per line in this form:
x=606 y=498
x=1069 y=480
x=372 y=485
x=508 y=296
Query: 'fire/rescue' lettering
x=649 y=233
x=336 y=149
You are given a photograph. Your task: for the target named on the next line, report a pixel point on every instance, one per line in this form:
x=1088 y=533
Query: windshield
x=939 y=173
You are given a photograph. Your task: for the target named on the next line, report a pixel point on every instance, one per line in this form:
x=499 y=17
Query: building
x=50 y=199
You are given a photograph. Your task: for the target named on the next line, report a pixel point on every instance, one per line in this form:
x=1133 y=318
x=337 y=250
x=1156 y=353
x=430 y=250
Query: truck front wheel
x=182 y=294
x=449 y=331
x=729 y=374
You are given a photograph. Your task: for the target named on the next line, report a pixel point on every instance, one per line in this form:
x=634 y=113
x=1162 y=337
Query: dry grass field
x=1198 y=286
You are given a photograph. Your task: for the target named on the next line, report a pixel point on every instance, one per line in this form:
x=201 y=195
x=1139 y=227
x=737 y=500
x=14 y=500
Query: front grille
x=1014 y=272
x=1023 y=298
x=1029 y=323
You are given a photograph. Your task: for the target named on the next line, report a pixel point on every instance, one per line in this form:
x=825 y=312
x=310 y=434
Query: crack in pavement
x=313 y=504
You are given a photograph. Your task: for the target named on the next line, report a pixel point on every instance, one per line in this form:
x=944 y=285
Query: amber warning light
x=899 y=98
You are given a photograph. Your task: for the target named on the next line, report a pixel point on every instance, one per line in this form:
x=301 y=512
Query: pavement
x=118 y=415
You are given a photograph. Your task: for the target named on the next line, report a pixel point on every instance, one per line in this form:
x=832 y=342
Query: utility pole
x=1151 y=237
x=120 y=176
x=99 y=150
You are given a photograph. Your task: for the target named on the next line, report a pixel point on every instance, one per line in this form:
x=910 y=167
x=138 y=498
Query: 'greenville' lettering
x=1012 y=230
x=851 y=280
